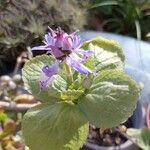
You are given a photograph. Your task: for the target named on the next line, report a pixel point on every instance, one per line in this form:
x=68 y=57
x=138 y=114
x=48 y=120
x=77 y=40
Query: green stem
x=69 y=72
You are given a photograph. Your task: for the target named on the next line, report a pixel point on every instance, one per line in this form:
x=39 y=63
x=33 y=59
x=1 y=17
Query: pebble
x=12 y=85
x=5 y=78
x=17 y=78
x=123 y=128
x=6 y=98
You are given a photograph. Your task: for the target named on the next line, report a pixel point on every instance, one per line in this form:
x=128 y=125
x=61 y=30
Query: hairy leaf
x=110 y=100
x=31 y=75
x=107 y=54
x=71 y=94
x=55 y=127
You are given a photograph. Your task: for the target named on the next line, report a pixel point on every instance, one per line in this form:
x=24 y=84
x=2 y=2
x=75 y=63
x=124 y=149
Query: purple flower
x=63 y=47
x=76 y=63
x=48 y=71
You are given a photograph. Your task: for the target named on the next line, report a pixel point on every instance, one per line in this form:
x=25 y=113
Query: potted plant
x=77 y=84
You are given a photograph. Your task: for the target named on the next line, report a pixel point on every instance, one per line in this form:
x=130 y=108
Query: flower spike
x=63 y=47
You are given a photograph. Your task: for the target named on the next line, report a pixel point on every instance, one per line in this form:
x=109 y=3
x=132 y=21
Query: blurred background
x=23 y=24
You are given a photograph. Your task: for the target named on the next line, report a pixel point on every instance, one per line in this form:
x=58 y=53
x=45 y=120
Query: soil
x=108 y=137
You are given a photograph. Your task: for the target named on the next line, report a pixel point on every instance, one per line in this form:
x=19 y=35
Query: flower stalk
x=69 y=72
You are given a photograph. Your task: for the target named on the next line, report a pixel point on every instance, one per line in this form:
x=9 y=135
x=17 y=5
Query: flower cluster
x=66 y=48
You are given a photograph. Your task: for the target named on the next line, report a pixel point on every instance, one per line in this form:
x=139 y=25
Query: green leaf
x=142 y=137
x=107 y=54
x=107 y=3
x=55 y=127
x=110 y=100
x=71 y=95
x=31 y=74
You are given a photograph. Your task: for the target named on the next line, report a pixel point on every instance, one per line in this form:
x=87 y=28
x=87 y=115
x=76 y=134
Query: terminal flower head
x=64 y=47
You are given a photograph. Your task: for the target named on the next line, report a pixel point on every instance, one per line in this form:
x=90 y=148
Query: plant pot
x=138 y=117
x=148 y=116
x=128 y=145
x=138 y=121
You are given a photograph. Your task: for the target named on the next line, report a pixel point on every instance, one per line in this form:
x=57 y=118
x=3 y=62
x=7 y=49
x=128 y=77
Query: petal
x=49 y=40
x=45 y=81
x=47 y=73
x=67 y=43
x=42 y=47
x=51 y=70
x=76 y=40
x=56 y=52
x=75 y=62
x=85 y=54
x=60 y=39
x=52 y=32
x=74 y=33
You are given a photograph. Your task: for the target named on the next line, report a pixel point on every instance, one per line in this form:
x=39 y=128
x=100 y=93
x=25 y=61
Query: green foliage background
x=24 y=22
x=128 y=17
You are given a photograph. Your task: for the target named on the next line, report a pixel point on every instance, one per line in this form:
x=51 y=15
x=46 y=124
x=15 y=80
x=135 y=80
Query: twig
x=16 y=107
x=20 y=60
